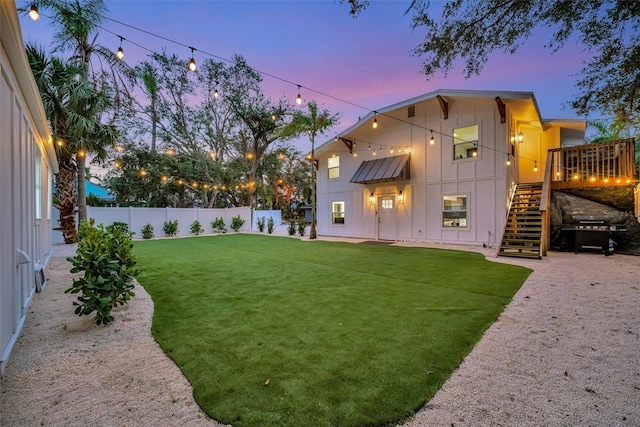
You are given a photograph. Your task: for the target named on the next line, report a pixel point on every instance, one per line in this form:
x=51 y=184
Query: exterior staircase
x=523 y=230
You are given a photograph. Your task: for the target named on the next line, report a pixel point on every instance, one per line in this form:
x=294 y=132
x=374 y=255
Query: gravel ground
x=564 y=352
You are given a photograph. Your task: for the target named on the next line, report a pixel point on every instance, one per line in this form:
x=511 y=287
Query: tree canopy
x=471 y=30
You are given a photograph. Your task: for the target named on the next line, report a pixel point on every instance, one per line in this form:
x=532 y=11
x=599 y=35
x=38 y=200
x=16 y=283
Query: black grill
x=591 y=232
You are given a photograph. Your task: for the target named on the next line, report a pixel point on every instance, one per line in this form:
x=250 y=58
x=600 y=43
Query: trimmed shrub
x=237 y=222
x=147 y=231
x=261 y=224
x=170 y=228
x=271 y=225
x=291 y=228
x=218 y=225
x=105 y=256
x=196 y=228
x=301 y=227
x=118 y=224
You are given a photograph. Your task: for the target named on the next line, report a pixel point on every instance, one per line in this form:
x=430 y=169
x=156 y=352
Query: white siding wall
x=23 y=140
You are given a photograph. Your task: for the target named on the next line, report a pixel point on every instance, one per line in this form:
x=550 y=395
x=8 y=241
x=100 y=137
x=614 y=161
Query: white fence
x=136 y=218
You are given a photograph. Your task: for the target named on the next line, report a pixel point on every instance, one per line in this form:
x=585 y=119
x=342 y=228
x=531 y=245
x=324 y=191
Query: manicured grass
x=344 y=334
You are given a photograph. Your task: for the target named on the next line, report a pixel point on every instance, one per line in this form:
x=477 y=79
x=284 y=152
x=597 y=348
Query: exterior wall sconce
x=520 y=137
x=372 y=199
x=400 y=197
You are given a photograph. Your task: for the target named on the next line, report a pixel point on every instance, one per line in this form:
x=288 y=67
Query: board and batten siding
x=27 y=162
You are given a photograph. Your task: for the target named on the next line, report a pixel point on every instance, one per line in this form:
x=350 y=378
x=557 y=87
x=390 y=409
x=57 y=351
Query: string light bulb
x=535 y=166
x=298 y=98
x=432 y=140
x=192 y=62
x=120 y=52
x=375 y=120
x=215 y=91
x=509 y=160
x=33 y=12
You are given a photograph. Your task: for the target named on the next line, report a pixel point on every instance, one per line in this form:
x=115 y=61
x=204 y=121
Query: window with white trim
x=337 y=213
x=334 y=167
x=465 y=142
x=454 y=211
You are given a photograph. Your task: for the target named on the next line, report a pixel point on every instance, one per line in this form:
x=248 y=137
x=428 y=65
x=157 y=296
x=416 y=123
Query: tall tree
x=314 y=122
x=263 y=121
x=71 y=105
x=470 y=30
x=77 y=24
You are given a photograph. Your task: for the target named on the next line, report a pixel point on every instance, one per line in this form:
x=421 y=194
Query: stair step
x=520 y=254
x=524 y=244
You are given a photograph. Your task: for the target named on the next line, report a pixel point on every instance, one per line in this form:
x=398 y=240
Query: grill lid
x=593 y=219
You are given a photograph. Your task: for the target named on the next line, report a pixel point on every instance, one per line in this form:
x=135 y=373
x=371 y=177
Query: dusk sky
x=318 y=45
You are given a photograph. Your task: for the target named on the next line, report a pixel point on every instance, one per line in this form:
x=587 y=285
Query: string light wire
x=284 y=80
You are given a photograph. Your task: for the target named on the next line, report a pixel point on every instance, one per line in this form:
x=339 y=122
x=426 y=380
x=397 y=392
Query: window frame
x=337 y=217
x=463 y=213
x=333 y=169
x=472 y=145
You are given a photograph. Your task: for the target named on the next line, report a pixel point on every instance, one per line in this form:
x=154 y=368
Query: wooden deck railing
x=593 y=165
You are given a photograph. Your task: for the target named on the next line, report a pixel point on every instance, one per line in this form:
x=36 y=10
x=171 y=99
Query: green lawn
x=273 y=331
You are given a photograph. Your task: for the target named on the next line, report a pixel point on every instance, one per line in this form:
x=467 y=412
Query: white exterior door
x=386 y=218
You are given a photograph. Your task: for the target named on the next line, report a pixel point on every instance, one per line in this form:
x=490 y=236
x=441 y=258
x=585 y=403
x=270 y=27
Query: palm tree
x=77 y=28
x=314 y=123
x=71 y=105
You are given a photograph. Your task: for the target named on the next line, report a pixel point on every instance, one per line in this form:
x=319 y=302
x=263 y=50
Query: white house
x=27 y=162
x=440 y=167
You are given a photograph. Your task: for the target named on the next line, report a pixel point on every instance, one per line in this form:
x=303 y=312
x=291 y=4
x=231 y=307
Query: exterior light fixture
x=372 y=199
x=375 y=120
x=520 y=137
x=298 y=98
x=400 y=197
x=120 y=52
x=192 y=62
x=33 y=12
x=508 y=159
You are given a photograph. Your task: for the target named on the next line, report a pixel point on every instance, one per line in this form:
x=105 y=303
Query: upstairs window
x=465 y=142
x=334 y=167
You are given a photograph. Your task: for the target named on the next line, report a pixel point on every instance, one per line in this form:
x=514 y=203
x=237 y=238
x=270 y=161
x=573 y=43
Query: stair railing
x=545 y=206
x=506 y=219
